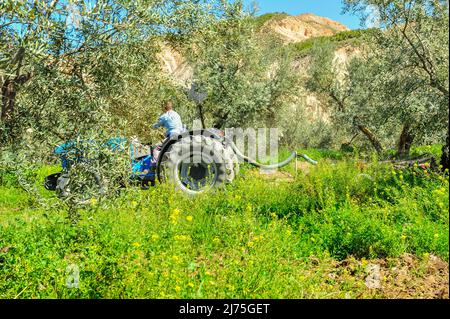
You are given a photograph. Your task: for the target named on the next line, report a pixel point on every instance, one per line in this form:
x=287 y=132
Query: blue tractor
x=193 y=162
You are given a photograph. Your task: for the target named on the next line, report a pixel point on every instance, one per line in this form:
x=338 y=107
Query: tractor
x=194 y=162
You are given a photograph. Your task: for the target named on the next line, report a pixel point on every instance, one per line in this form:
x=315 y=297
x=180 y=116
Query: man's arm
x=158 y=124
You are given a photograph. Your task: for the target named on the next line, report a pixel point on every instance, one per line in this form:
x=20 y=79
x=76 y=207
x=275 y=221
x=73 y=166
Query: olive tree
x=332 y=84
x=68 y=67
x=85 y=70
x=397 y=85
x=246 y=75
x=405 y=68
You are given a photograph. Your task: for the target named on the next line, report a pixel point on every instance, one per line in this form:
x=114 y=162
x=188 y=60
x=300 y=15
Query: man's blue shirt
x=171 y=121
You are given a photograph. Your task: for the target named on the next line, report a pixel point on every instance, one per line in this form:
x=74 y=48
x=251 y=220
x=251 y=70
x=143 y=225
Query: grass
x=256 y=239
x=321 y=154
x=432 y=150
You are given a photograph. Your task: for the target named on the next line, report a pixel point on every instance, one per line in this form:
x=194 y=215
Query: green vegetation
x=100 y=76
x=258 y=238
x=262 y=19
x=90 y=72
x=351 y=37
x=319 y=154
x=394 y=91
x=233 y=66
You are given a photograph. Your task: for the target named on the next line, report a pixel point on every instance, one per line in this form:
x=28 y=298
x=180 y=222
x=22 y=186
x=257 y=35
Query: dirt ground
x=407 y=277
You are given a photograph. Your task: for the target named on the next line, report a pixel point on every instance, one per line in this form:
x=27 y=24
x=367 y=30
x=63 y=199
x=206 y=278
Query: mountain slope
x=293 y=29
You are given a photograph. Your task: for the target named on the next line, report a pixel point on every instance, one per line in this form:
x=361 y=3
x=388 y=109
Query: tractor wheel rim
x=198 y=176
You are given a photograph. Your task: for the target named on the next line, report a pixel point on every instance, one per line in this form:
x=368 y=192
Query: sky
x=331 y=9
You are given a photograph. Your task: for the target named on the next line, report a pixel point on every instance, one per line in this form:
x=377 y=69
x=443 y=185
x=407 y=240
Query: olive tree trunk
x=405 y=141
x=372 y=138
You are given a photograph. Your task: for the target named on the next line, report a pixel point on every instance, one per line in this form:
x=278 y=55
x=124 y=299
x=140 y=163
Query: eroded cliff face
x=342 y=57
x=174 y=64
x=292 y=29
x=314 y=107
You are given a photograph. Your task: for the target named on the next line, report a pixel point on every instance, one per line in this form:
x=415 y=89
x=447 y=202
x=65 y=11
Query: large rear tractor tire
x=196 y=164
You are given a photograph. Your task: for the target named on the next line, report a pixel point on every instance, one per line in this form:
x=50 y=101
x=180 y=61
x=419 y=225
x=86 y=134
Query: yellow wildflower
x=182 y=237
x=189 y=218
x=174 y=215
x=258 y=238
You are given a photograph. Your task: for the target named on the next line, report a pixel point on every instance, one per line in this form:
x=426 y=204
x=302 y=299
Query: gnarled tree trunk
x=9 y=86
x=372 y=138
x=405 y=141
x=8 y=99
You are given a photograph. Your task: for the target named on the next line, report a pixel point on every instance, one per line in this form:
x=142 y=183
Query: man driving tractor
x=171 y=121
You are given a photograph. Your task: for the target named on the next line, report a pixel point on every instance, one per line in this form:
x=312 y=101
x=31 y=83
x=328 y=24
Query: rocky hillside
x=174 y=64
x=293 y=29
